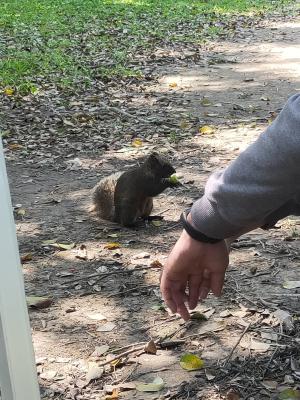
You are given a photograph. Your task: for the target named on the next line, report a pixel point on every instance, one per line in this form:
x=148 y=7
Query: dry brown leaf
x=156 y=264
x=82 y=252
x=94 y=372
x=38 y=302
x=26 y=257
x=150 y=347
x=112 y=246
x=108 y=327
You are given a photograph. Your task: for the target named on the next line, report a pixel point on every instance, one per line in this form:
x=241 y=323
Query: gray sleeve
x=261 y=180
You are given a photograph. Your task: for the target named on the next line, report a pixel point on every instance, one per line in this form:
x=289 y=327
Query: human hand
x=192 y=269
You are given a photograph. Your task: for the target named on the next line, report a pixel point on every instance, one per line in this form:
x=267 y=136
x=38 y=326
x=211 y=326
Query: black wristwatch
x=193 y=232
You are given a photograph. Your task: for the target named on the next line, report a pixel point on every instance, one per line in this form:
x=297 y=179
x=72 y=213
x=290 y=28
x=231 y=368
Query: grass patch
x=71 y=42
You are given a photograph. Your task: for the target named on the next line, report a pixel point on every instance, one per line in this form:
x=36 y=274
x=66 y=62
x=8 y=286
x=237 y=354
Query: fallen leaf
x=151 y=347
x=113 y=396
x=185 y=125
x=38 y=302
x=269 y=336
x=190 y=362
x=48 y=375
x=205 y=102
x=156 y=222
x=137 y=143
x=173 y=85
x=63 y=246
x=198 y=316
x=94 y=372
x=206 y=130
x=143 y=254
x=270 y=385
x=26 y=257
x=15 y=146
x=232 y=395
x=284 y=318
x=113 y=235
x=9 y=91
x=291 y=284
x=255 y=345
x=108 y=327
x=122 y=386
x=209 y=376
x=48 y=242
x=68 y=123
x=97 y=317
x=157 y=385
x=158 y=307
x=100 y=350
x=289 y=394
x=112 y=246
x=264 y=98
x=82 y=252
x=211 y=327
x=239 y=313
x=156 y=264
x=225 y=314
x=21 y=212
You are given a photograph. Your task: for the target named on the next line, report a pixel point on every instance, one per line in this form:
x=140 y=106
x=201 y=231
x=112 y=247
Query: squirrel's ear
x=153 y=158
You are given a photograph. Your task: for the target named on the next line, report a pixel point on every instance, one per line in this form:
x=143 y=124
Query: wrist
x=192 y=231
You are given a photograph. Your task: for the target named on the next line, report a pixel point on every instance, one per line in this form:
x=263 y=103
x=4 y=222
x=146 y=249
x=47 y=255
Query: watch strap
x=193 y=231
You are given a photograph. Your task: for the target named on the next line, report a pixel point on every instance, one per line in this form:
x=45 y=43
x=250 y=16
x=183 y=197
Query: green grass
x=71 y=42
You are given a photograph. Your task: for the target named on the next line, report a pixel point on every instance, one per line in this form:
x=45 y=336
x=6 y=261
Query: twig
x=119 y=111
x=169 y=228
x=269 y=363
x=128 y=345
x=125 y=353
x=122 y=380
x=129 y=290
x=283 y=294
x=154 y=371
x=245 y=297
x=102 y=275
x=236 y=345
x=162 y=212
x=170 y=335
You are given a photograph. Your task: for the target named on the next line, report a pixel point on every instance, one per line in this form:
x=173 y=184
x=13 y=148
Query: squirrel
x=124 y=197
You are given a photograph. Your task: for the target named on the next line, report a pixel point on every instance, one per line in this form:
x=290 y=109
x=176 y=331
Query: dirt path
x=66 y=145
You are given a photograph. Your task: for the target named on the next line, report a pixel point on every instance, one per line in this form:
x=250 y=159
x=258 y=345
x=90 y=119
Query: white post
x=18 y=378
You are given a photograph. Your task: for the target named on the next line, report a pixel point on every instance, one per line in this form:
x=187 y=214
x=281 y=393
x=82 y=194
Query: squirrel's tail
x=103 y=197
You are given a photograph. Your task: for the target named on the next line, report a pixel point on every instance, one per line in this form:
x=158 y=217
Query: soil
x=60 y=145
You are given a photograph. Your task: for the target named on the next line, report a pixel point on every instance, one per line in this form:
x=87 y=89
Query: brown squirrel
x=125 y=196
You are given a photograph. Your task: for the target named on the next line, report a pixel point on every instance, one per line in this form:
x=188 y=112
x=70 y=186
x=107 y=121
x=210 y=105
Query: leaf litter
x=60 y=131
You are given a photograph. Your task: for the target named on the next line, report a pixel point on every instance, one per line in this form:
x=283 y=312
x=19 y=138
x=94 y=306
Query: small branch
x=269 y=363
x=121 y=112
x=102 y=275
x=125 y=353
x=127 y=346
x=129 y=290
x=236 y=345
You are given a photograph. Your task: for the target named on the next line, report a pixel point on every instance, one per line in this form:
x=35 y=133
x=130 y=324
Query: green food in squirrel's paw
x=173 y=179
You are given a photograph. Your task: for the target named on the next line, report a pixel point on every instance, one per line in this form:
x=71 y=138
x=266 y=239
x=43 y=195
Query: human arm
x=260 y=181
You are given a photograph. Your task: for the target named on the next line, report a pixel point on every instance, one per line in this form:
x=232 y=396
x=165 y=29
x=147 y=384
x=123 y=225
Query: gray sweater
x=258 y=188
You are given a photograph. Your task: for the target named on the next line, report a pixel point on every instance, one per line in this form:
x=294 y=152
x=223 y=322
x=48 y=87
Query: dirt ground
x=61 y=145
